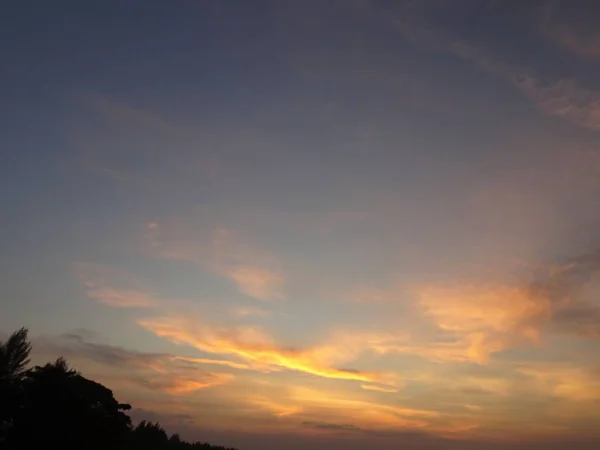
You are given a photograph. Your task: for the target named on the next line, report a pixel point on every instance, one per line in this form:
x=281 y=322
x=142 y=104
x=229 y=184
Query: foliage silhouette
x=14 y=358
x=55 y=406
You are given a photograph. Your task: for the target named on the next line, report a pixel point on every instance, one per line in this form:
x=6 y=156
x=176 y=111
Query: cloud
x=250 y=311
x=217 y=362
x=374 y=387
x=121 y=298
x=567 y=382
x=330 y=426
x=320 y=407
x=479 y=320
x=125 y=114
x=484 y=319
x=367 y=414
x=153 y=371
x=181 y=385
x=562 y=98
x=573 y=37
x=113 y=287
x=571 y=287
x=583 y=320
x=565 y=99
x=473 y=407
x=254 y=272
x=257 y=282
x=260 y=351
x=472 y=322
x=276 y=408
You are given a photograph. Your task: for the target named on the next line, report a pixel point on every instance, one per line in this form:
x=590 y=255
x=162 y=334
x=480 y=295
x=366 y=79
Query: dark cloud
x=153 y=371
x=331 y=426
x=579 y=314
x=573 y=26
x=563 y=287
x=76 y=344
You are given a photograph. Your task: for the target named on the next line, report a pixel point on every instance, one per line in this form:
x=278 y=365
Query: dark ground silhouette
x=53 y=406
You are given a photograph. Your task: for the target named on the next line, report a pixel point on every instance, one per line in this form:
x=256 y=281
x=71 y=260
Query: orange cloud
x=370 y=414
x=484 y=319
x=276 y=408
x=319 y=406
x=184 y=386
x=260 y=351
x=263 y=284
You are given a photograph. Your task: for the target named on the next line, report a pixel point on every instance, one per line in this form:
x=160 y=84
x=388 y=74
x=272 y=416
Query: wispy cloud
x=567 y=382
x=251 y=311
x=113 y=287
x=254 y=272
x=572 y=287
x=330 y=426
x=317 y=408
x=125 y=114
x=561 y=98
x=256 y=282
x=475 y=321
x=371 y=414
x=276 y=408
x=153 y=371
x=485 y=319
x=260 y=351
x=374 y=387
x=573 y=37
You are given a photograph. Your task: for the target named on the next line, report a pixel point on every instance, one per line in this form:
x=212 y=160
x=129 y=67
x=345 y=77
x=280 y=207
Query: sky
x=338 y=224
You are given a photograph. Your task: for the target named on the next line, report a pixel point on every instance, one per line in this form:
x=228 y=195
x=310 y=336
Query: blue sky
x=361 y=221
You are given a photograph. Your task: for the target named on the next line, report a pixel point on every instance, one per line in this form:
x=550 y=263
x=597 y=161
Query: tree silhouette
x=65 y=409
x=14 y=357
x=150 y=436
x=54 y=406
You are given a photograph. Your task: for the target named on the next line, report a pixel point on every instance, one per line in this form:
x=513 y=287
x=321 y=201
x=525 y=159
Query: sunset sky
x=316 y=224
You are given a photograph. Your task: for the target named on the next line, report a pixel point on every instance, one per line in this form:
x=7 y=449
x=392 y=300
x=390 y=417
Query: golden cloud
x=185 y=385
x=483 y=319
x=260 y=352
